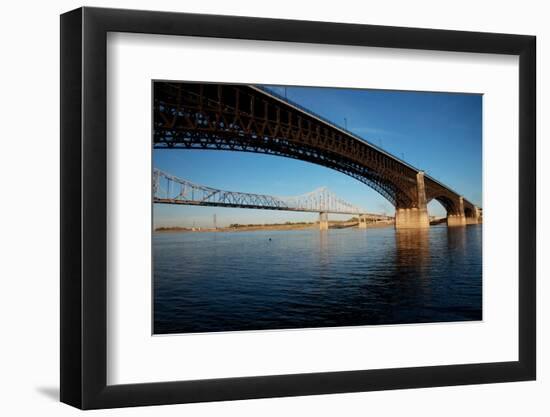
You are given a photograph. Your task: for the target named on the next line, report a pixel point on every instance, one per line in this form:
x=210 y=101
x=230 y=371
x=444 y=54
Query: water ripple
x=208 y=282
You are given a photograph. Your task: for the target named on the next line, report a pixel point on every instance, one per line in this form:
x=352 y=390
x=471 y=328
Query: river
x=260 y=280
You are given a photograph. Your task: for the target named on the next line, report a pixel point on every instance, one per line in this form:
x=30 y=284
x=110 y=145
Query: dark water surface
x=226 y=281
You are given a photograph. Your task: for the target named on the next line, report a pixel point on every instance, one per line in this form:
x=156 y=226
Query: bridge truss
x=248 y=118
x=168 y=189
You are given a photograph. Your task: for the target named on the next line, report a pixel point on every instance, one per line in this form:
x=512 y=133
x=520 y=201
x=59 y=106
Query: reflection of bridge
x=168 y=189
x=248 y=118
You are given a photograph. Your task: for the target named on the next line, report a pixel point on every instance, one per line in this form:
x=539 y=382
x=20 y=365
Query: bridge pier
x=362 y=222
x=414 y=217
x=459 y=218
x=476 y=218
x=323 y=220
x=456 y=220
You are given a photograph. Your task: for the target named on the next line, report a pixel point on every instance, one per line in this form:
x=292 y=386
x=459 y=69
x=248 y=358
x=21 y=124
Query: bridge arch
x=242 y=118
x=448 y=204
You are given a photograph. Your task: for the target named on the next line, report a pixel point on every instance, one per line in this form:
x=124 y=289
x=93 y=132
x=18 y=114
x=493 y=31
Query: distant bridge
x=249 y=118
x=168 y=189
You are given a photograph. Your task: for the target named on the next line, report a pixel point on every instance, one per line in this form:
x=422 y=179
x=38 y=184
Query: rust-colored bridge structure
x=249 y=118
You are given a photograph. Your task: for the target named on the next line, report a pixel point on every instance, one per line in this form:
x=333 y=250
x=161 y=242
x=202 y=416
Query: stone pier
x=323 y=220
x=476 y=219
x=414 y=217
x=457 y=219
x=362 y=222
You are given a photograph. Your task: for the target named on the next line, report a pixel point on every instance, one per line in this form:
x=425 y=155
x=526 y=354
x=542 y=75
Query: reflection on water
x=323 y=249
x=207 y=282
x=456 y=240
x=412 y=249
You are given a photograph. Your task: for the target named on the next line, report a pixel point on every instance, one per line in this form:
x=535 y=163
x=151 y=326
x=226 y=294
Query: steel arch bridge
x=247 y=118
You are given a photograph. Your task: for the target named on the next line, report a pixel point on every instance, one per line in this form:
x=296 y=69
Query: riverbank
x=237 y=228
x=262 y=227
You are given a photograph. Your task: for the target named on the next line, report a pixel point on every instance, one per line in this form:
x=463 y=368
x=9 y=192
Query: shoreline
x=278 y=227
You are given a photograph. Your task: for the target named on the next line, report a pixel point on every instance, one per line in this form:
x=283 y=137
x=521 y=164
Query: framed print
x=256 y=208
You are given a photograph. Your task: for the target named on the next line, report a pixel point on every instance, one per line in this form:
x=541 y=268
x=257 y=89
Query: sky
x=439 y=133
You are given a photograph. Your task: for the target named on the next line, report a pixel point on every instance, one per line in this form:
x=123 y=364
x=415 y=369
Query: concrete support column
x=478 y=215
x=414 y=217
x=476 y=218
x=323 y=220
x=362 y=222
x=457 y=219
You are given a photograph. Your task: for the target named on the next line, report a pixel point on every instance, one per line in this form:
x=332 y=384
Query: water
x=228 y=281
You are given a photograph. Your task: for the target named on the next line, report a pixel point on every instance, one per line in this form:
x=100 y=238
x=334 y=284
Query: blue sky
x=439 y=133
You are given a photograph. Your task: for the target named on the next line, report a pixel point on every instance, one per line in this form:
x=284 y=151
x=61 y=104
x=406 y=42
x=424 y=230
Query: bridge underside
x=249 y=119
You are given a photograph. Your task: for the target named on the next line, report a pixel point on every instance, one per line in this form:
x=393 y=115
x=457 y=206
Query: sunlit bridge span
x=169 y=189
x=250 y=118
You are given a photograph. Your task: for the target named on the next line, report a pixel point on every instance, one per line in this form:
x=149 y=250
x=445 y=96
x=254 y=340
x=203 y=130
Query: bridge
x=249 y=118
x=168 y=189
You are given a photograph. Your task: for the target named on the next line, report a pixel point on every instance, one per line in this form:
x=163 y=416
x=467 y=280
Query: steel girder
x=248 y=119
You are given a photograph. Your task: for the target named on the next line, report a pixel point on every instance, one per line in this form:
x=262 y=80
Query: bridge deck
x=249 y=118
x=252 y=206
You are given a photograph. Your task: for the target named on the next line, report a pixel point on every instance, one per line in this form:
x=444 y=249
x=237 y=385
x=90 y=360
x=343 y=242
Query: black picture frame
x=84 y=207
